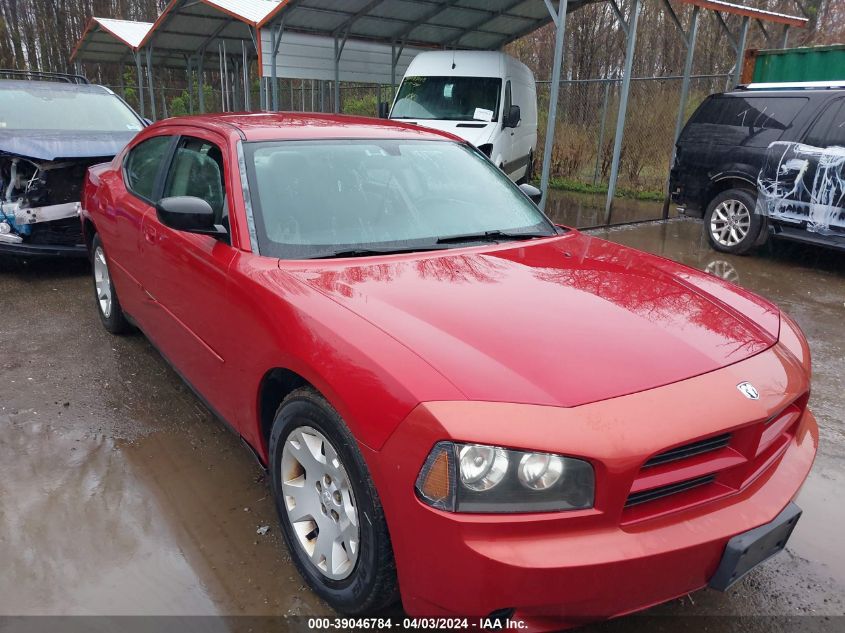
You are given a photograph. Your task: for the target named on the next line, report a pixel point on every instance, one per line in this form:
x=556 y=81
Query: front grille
x=65 y=232
x=664 y=491
x=689 y=450
x=710 y=468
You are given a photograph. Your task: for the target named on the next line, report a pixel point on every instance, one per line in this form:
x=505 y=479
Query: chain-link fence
x=585 y=130
x=586 y=125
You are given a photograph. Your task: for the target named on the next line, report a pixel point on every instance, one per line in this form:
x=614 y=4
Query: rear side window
x=750 y=121
x=143 y=163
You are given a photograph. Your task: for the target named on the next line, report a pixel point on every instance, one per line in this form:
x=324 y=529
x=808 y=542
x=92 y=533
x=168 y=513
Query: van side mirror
x=383 y=110
x=189 y=214
x=532 y=192
x=513 y=116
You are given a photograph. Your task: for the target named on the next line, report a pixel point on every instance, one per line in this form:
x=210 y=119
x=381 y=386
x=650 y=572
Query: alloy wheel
x=730 y=223
x=320 y=503
x=102 y=282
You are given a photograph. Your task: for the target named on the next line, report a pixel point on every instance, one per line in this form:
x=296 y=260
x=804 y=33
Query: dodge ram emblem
x=748 y=390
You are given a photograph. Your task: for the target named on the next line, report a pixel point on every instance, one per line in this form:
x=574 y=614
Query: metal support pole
x=225 y=80
x=631 y=29
x=276 y=40
x=201 y=81
x=222 y=83
x=122 y=69
x=690 y=38
x=245 y=66
x=740 y=49
x=554 y=93
x=392 y=69
x=601 y=131
x=140 y=75
x=785 y=41
x=691 y=35
x=337 y=52
x=190 y=65
x=150 y=80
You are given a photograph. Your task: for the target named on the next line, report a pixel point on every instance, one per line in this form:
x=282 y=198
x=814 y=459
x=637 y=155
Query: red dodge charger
x=457 y=401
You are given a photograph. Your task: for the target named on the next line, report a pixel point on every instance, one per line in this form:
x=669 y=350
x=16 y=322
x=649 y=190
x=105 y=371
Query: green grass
x=564 y=184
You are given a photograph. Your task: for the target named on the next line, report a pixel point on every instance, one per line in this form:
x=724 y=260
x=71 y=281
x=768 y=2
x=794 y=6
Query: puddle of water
x=579 y=210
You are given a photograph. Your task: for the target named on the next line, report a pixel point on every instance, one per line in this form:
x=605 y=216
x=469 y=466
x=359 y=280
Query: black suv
x=52 y=128
x=765 y=160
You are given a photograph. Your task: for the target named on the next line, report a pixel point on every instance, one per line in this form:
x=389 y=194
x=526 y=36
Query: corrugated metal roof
x=254 y=11
x=130 y=32
x=461 y=23
x=108 y=40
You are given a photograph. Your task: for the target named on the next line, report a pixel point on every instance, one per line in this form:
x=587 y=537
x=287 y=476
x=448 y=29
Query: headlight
x=479 y=478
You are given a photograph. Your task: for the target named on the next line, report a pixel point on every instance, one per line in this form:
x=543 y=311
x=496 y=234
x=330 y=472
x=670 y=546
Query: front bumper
x=42 y=250
x=559 y=569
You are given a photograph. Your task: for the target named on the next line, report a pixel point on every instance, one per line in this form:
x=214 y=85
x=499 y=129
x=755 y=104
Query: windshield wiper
x=368 y=252
x=492 y=236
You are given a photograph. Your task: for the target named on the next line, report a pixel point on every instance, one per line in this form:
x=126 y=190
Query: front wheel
x=328 y=507
x=732 y=223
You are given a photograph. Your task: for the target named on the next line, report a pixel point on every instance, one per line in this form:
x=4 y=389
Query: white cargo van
x=486 y=98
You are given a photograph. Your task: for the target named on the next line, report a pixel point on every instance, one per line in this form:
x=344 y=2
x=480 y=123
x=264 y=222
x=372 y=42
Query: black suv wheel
x=732 y=223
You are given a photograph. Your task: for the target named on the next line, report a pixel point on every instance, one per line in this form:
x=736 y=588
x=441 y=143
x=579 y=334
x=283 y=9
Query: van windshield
x=449 y=99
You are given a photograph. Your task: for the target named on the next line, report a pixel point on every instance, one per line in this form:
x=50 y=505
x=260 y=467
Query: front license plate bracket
x=747 y=550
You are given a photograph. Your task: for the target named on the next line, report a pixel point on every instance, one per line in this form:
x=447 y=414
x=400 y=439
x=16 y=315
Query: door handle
x=150 y=234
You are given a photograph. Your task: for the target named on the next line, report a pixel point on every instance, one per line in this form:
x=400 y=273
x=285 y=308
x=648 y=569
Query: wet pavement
x=120 y=494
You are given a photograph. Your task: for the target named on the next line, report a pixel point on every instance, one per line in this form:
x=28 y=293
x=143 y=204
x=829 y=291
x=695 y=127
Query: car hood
x=562 y=321
x=51 y=145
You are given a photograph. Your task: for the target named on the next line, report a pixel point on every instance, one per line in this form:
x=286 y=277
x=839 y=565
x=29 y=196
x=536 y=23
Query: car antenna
x=454 y=65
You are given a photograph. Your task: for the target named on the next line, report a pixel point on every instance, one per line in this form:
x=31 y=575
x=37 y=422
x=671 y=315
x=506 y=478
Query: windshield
x=64 y=110
x=316 y=199
x=448 y=99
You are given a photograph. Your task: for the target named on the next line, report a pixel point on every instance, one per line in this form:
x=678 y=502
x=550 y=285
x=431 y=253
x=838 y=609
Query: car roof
x=52 y=86
x=784 y=92
x=279 y=126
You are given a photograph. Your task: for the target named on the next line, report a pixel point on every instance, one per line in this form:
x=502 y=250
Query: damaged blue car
x=52 y=128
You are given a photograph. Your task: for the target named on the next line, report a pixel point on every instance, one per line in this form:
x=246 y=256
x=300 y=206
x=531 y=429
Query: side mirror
x=189 y=214
x=513 y=116
x=383 y=109
x=532 y=192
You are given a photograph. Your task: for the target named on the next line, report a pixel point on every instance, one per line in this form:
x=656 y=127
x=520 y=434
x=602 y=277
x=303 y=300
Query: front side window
x=143 y=164
x=314 y=199
x=42 y=107
x=448 y=99
x=197 y=171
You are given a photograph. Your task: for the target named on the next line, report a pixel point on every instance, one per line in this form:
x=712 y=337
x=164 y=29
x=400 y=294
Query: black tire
x=372 y=584
x=529 y=170
x=730 y=213
x=113 y=318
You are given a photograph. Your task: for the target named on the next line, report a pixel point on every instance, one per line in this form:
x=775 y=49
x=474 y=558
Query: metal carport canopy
x=462 y=24
x=109 y=41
